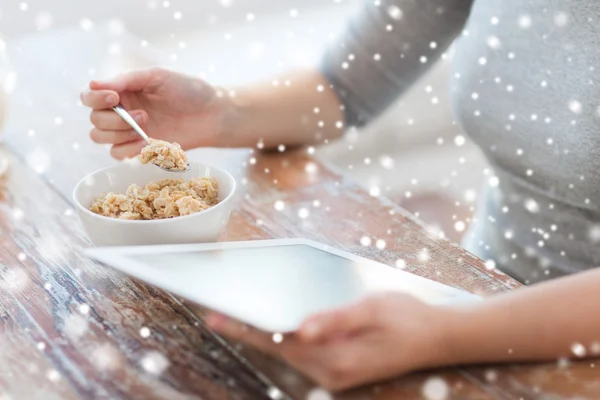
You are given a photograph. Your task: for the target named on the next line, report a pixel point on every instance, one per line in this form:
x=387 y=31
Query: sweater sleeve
x=386 y=47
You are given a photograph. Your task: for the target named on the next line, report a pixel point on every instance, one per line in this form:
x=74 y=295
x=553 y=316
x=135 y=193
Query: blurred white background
x=409 y=155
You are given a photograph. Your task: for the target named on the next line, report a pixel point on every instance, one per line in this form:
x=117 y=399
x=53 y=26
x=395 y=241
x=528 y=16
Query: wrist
x=229 y=119
x=443 y=337
x=236 y=119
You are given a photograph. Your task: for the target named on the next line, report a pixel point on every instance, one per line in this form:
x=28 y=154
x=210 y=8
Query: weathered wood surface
x=101 y=354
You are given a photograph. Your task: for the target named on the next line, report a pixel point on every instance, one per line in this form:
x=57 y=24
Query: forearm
x=543 y=322
x=292 y=109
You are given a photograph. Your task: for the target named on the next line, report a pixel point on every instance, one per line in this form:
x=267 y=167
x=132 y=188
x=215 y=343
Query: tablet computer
x=273 y=285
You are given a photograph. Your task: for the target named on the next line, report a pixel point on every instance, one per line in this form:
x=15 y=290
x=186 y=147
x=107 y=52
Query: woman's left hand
x=377 y=338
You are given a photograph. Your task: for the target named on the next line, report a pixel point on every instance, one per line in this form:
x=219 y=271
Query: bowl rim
x=81 y=208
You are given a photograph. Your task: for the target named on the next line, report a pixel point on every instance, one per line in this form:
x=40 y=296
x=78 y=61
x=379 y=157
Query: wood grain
x=100 y=353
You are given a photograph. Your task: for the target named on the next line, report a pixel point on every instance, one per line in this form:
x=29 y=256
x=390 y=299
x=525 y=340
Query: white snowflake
x=277 y=337
x=43 y=21
x=38 y=160
x=532 y=206
x=561 y=19
x=75 y=326
x=594 y=234
x=318 y=394
x=575 y=106
x=303 y=213
x=524 y=21
x=491 y=375
x=459 y=226
x=395 y=12
x=365 y=241
x=435 y=388
x=279 y=205
x=423 y=255
x=84 y=308
x=53 y=375
x=459 y=140
x=14 y=279
x=105 y=358
x=154 y=362
x=310 y=168
x=578 y=349
x=493 y=42
x=386 y=162
x=274 y=393
x=470 y=195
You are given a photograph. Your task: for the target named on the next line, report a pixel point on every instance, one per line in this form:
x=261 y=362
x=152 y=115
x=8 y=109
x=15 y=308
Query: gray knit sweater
x=525 y=88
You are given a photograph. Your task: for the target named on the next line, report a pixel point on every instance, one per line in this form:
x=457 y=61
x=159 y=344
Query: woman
x=523 y=89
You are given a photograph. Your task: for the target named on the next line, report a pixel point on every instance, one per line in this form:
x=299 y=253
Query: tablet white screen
x=277 y=287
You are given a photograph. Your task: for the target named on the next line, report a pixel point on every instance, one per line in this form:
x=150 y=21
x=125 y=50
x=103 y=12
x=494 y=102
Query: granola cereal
x=167 y=198
x=164 y=154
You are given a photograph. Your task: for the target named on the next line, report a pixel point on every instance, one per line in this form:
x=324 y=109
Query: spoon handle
x=125 y=115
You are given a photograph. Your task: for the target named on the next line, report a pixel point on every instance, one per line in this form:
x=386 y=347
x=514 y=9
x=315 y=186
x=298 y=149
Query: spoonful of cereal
x=166 y=155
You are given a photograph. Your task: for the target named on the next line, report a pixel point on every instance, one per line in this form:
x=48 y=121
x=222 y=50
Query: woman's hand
x=178 y=108
x=377 y=338
x=167 y=105
x=392 y=334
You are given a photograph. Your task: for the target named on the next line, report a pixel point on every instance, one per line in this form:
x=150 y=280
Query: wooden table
x=70 y=328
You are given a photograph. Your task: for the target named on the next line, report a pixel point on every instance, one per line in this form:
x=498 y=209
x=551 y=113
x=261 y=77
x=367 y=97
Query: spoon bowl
x=127 y=118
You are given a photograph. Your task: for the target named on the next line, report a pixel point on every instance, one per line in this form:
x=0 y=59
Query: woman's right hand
x=167 y=105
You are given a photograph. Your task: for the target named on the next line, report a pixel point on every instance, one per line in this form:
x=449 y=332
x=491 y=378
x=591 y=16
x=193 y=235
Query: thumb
x=132 y=81
x=330 y=324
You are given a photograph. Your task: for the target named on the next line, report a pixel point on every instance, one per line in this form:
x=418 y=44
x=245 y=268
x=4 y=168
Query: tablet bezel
x=116 y=258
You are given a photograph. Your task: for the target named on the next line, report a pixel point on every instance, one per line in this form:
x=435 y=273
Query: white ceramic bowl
x=204 y=226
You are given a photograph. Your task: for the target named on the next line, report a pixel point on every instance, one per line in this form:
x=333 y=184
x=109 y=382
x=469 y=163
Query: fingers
x=240 y=332
x=113 y=137
x=127 y=150
x=132 y=81
x=99 y=99
x=110 y=120
x=109 y=128
x=344 y=321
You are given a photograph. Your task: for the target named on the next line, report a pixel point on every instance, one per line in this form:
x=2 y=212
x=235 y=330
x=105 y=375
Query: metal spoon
x=127 y=117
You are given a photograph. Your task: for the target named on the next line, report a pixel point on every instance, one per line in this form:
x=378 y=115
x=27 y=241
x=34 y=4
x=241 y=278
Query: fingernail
x=139 y=118
x=311 y=330
x=110 y=99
